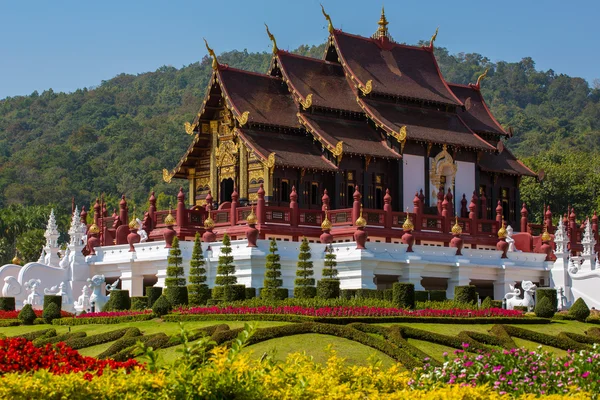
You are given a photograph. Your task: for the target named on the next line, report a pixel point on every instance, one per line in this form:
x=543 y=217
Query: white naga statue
x=97 y=298
x=143 y=234
x=83 y=302
x=513 y=299
x=510 y=240
x=64 y=291
x=34 y=298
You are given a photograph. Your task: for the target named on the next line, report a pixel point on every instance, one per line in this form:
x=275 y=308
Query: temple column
x=458 y=277
x=214 y=184
x=412 y=273
x=132 y=280
x=243 y=190
x=192 y=190
x=268 y=185
x=502 y=285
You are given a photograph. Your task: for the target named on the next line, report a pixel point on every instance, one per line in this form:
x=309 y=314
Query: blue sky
x=65 y=45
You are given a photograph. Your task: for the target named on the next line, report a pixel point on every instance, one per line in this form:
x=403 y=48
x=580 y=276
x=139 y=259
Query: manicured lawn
x=533 y=346
x=434 y=350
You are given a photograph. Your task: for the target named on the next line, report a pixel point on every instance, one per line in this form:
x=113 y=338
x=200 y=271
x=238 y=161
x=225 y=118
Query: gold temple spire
x=275 y=49
x=382 y=31
x=215 y=63
x=328 y=18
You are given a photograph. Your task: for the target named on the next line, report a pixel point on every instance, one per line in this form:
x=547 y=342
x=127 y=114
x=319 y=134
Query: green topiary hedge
x=305 y=292
x=421 y=295
x=465 y=294
x=42 y=333
x=550 y=294
x=520 y=308
x=544 y=308
x=274 y=293
x=579 y=310
x=27 y=315
x=7 y=304
x=162 y=306
x=564 y=342
x=229 y=293
x=102 y=320
x=77 y=343
x=52 y=299
x=153 y=293
x=437 y=295
x=328 y=288
x=250 y=293
x=4 y=323
x=404 y=295
x=139 y=303
x=486 y=303
x=59 y=338
x=51 y=312
x=347 y=294
x=497 y=303
x=118 y=301
x=177 y=295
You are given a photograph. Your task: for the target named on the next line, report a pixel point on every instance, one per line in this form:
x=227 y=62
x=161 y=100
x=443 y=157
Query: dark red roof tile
x=265 y=97
x=323 y=79
x=291 y=150
x=404 y=71
x=505 y=163
x=425 y=124
x=477 y=116
x=358 y=136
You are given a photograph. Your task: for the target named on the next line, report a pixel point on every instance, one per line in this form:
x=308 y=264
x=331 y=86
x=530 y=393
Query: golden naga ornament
x=328 y=18
x=367 y=88
x=215 y=63
x=433 y=37
x=400 y=136
x=338 y=151
x=480 y=78
x=456 y=229
x=167 y=176
x=189 y=128
x=307 y=103
x=270 y=163
x=275 y=49
x=243 y=119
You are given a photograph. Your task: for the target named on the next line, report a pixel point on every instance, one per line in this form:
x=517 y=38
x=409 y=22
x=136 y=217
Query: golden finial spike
x=275 y=49
x=434 y=37
x=328 y=18
x=215 y=63
x=382 y=31
x=478 y=84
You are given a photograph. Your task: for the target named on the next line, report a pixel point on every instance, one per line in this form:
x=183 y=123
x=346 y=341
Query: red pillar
x=294 y=207
x=473 y=213
x=499 y=213
x=356 y=205
x=445 y=214
x=548 y=220
x=524 y=222
x=573 y=229
x=464 y=212
x=152 y=209
x=387 y=207
x=260 y=205
x=418 y=211
x=181 y=210
x=234 y=205
x=123 y=211
x=450 y=198
x=97 y=211
x=325 y=201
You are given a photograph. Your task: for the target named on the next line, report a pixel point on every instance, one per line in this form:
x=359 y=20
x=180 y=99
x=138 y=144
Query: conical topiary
x=544 y=308
x=579 y=310
x=226 y=269
x=51 y=312
x=486 y=303
x=198 y=291
x=273 y=281
x=329 y=286
x=27 y=315
x=176 y=290
x=162 y=306
x=304 y=285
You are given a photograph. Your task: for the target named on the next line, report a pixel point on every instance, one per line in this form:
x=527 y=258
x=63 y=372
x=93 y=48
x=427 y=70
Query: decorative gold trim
x=367 y=162
x=367 y=88
x=307 y=103
x=189 y=128
x=328 y=18
x=480 y=78
x=400 y=136
x=429 y=144
x=338 y=151
x=167 y=176
x=215 y=63
x=456 y=229
x=275 y=49
x=270 y=163
x=243 y=119
x=361 y=222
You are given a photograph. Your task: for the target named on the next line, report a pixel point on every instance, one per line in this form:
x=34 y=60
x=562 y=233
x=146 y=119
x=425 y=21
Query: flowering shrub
x=38 y=313
x=516 y=371
x=357 y=311
x=108 y=314
x=20 y=355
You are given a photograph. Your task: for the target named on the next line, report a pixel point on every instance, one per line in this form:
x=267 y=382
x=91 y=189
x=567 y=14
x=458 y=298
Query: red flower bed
x=351 y=311
x=104 y=314
x=38 y=313
x=20 y=355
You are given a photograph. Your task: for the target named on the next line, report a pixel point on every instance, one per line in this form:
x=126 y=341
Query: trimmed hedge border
x=593 y=332
x=349 y=320
x=7 y=304
x=153 y=293
x=450 y=341
x=9 y=322
x=548 y=293
x=103 y=320
x=42 y=333
x=403 y=295
x=130 y=338
x=560 y=342
x=60 y=338
x=139 y=303
x=505 y=342
x=88 y=341
x=156 y=341
x=579 y=338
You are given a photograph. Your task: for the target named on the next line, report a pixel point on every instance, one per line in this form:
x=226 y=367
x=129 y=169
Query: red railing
x=341 y=217
x=310 y=217
x=280 y=215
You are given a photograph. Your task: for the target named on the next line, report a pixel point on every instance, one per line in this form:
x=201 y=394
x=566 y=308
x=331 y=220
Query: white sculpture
x=512 y=299
x=64 y=291
x=560 y=237
x=143 y=234
x=588 y=242
x=34 y=298
x=42 y=258
x=64 y=261
x=51 y=247
x=97 y=298
x=562 y=299
x=11 y=287
x=510 y=240
x=83 y=302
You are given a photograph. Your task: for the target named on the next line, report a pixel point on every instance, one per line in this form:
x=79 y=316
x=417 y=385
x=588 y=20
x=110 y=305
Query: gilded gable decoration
x=307 y=103
x=442 y=168
x=189 y=128
x=243 y=119
x=167 y=176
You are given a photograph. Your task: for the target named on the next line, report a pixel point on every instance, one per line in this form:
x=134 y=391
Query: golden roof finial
x=275 y=49
x=502 y=230
x=94 y=229
x=434 y=37
x=251 y=218
x=169 y=220
x=209 y=223
x=546 y=236
x=215 y=63
x=480 y=78
x=133 y=224
x=328 y=18
x=360 y=221
x=382 y=31
x=326 y=224
x=456 y=229
x=408 y=225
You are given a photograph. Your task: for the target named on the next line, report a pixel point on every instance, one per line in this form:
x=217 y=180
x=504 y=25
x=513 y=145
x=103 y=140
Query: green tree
x=329 y=286
x=272 y=281
x=304 y=284
x=197 y=289
x=330 y=270
x=226 y=268
x=175 y=290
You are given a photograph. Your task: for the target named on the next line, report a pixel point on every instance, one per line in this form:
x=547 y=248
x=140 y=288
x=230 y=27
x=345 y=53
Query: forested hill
x=117 y=137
